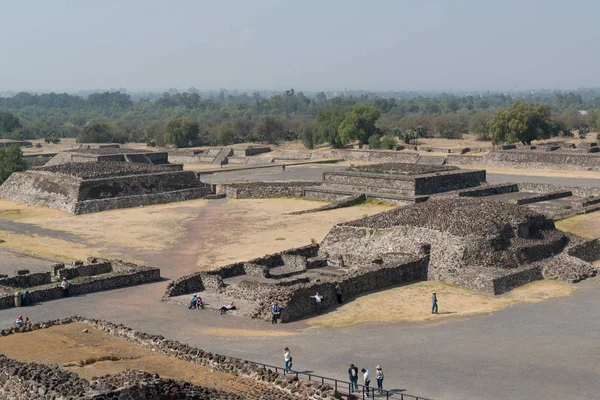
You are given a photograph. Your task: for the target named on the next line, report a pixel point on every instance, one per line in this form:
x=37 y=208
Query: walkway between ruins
x=534 y=351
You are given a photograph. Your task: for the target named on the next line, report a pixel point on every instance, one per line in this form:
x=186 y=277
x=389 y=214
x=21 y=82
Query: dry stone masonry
x=82 y=188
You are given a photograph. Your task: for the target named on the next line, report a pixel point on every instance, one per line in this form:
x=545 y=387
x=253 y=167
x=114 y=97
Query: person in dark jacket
x=434 y=305
x=275 y=313
x=353 y=376
x=338 y=293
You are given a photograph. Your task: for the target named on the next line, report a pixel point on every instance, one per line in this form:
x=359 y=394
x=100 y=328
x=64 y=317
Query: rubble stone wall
x=267 y=189
x=580 y=191
x=531 y=160
x=375 y=156
x=587 y=250
x=25 y=281
x=446 y=181
x=85 y=270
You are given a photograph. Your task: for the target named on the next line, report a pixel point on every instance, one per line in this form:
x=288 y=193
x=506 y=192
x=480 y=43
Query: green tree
x=271 y=129
x=181 y=132
x=308 y=133
x=328 y=122
x=9 y=123
x=11 y=160
x=388 y=141
x=448 y=126
x=359 y=124
x=225 y=134
x=407 y=135
x=154 y=133
x=96 y=132
x=478 y=124
x=522 y=122
x=374 y=141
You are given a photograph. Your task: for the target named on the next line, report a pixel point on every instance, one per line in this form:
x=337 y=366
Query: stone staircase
x=221 y=157
x=431 y=160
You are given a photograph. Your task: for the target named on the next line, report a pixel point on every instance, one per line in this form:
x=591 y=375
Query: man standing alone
x=434 y=306
x=338 y=293
x=65 y=287
x=318 y=301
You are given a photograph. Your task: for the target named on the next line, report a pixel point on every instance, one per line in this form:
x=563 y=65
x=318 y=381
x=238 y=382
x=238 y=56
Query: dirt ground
x=86 y=348
x=412 y=303
x=585 y=225
x=215 y=233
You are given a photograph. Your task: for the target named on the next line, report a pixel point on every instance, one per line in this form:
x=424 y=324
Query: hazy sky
x=305 y=44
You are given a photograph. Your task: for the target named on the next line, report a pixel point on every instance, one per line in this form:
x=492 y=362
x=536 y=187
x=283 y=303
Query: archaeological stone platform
x=82 y=188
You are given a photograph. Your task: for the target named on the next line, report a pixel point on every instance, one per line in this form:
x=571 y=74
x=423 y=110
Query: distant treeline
x=185 y=119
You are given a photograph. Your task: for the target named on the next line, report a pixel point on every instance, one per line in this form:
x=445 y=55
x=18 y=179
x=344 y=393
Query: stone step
x=538 y=197
x=489 y=190
x=366 y=188
x=432 y=160
x=321 y=193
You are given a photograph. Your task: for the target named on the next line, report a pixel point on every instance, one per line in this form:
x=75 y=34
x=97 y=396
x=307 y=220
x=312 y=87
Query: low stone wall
x=260 y=160
x=446 y=181
x=580 y=191
x=25 y=281
x=92 y=206
x=555 y=160
x=489 y=190
x=277 y=386
x=252 y=269
x=375 y=155
x=347 y=202
x=267 y=189
x=196 y=282
x=587 y=250
x=123 y=274
x=537 y=197
x=85 y=270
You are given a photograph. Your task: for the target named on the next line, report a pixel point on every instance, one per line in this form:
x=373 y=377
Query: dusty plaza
x=512 y=255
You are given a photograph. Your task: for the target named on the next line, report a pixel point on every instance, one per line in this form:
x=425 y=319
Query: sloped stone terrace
x=401 y=168
x=459 y=217
x=105 y=169
x=107 y=150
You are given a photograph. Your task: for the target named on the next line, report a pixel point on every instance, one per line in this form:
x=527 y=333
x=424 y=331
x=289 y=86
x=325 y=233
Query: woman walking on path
x=379 y=378
x=287 y=357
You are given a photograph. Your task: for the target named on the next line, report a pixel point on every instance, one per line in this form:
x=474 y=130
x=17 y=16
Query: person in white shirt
x=318 y=300
x=367 y=380
x=287 y=357
x=65 y=287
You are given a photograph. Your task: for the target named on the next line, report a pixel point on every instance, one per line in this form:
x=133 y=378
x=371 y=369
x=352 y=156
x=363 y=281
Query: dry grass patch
x=154 y=227
x=412 y=303
x=585 y=225
x=47 y=247
x=252 y=228
x=98 y=354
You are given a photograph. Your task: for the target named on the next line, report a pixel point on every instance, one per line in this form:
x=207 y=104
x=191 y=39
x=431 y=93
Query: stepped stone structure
x=482 y=245
x=86 y=187
x=89 y=154
x=398 y=183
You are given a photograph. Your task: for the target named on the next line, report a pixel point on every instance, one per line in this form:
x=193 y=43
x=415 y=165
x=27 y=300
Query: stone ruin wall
x=446 y=181
x=530 y=160
x=267 y=189
x=122 y=274
x=24 y=380
x=293 y=293
x=42 y=189
x=374 y=156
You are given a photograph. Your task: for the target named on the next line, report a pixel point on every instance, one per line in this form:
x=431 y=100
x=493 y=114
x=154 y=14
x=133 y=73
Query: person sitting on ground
x=19 y=322
x=226 y=308
x=275 y=313
x=199 y=303
x=193 y=301
x=27 y=322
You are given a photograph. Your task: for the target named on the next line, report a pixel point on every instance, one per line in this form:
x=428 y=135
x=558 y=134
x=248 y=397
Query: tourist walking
x=193 y=302
x=367 y=380
x=275 y=313
x=353 y=376
x=338 y=293
x=434 y=305
x=318 y=300
x=65 y=287
x=283 y=167
x=379 y=378
x=287 y=358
